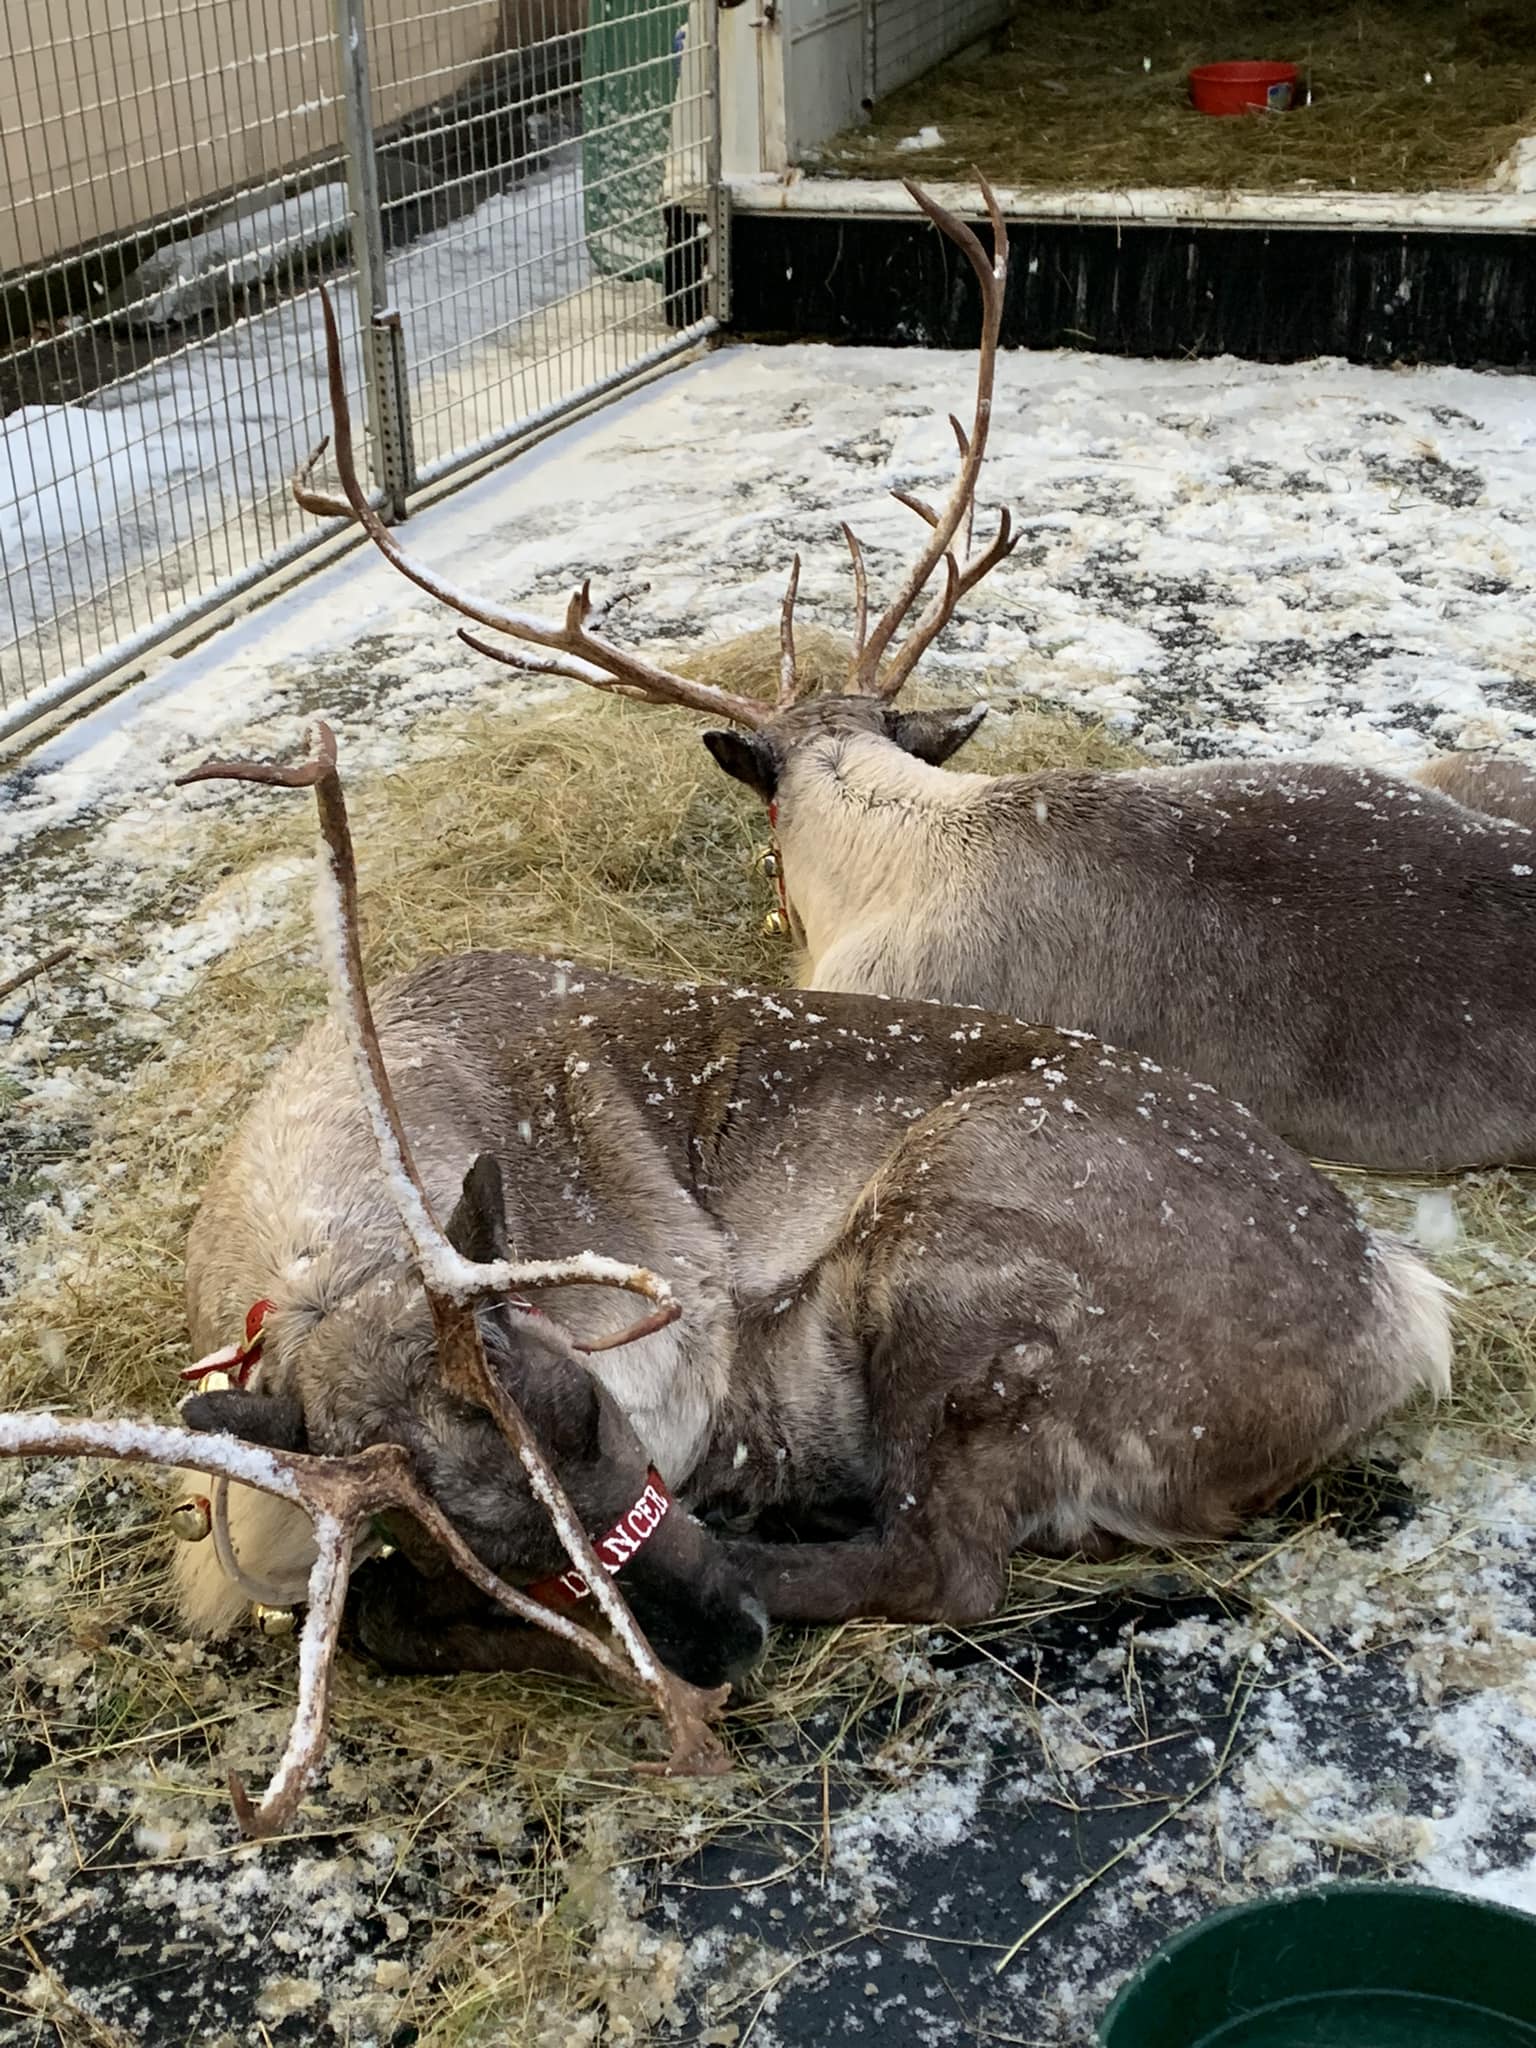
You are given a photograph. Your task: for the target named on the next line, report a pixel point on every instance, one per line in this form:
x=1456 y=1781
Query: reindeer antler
x=452 y=1282
x=337 y=1494
x=576 y=650
x=873 y=669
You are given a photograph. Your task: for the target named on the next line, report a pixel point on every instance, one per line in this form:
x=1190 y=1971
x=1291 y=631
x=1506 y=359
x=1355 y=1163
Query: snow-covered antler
x=337 y=1494
x=454 y=1283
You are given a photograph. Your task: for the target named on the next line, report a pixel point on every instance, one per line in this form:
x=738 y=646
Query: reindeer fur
x=991 y=1285
x=1351 y=955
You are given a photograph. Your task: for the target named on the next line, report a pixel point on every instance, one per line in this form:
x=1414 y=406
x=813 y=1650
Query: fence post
x=389 y=414
x=716 y=191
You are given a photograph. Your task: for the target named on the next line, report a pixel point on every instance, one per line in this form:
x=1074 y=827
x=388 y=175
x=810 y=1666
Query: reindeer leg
x=895 y=1574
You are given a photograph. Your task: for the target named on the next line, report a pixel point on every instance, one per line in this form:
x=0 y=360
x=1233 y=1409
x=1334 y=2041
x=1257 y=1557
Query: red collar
x=630 y=1533
x=238 y=1360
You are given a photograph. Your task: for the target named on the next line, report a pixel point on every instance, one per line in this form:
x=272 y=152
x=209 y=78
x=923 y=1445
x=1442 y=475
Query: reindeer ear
x=747 y=756
x=477 y=1229
x=934 y=735
x=275 y=1420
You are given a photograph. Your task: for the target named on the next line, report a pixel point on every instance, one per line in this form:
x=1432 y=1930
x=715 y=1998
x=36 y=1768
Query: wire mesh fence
x=491 y=187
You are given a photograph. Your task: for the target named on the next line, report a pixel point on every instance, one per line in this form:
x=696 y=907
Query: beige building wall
x=117 y=112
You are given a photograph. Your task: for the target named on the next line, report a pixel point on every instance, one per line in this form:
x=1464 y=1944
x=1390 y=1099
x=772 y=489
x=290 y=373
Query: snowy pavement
x=1218 y=557
x=1222 y=556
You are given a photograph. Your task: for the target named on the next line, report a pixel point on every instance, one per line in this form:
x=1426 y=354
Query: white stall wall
x=794 y=72
x=911 y=36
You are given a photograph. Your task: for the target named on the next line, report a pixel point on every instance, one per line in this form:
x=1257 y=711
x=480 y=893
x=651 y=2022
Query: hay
x=1066 y=102
x=604 y=831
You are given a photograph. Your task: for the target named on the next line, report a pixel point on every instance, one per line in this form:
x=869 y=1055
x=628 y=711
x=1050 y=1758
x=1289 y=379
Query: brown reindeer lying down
x=956 y=1284
x=1349 y=954
x=980 y=1285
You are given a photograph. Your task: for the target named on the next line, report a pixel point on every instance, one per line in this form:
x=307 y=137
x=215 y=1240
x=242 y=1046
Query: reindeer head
x=368 y=1370
x=413 y=1400
x=883 y=654
x=433 y=1355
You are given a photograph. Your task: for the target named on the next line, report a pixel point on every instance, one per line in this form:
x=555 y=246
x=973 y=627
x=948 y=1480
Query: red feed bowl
x=1243 y=88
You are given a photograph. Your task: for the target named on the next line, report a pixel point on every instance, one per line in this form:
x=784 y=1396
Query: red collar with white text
x=629 y=1534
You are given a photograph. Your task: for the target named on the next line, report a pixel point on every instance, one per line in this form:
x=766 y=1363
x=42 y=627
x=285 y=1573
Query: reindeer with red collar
x=930 y=1284
x=1350 y=954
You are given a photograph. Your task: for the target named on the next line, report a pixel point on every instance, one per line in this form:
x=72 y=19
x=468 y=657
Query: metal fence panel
x=497 y=202
x=144 y=439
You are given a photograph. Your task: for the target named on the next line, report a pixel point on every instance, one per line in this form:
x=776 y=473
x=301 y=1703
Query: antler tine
x=552 y=665
x=454 y=1283
x=337 y=1494
x=860 y=600
x=1002 y=543
x=597 y=661
x=309 y=500
x=298 y=775
x=871 y=672
x=963 y=443
x=789 y=687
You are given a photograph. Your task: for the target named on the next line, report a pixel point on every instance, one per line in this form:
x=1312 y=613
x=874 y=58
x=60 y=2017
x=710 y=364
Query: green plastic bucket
x=1343 y=1966
x=630 y=60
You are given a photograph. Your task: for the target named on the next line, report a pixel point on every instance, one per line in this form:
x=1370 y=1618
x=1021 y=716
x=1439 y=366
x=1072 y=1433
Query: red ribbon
x=238 y=1360
x=629 y=1534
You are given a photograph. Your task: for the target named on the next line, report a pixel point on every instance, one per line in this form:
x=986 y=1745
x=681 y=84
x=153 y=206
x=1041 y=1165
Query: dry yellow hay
x=1410 y=95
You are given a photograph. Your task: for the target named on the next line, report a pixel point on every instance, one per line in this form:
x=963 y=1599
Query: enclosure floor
x=1408 y=95
x=1216 y=558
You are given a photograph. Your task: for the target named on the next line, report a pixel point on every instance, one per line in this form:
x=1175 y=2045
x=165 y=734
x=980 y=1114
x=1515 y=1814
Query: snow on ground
x=1210 y=1756
x=1218 y=557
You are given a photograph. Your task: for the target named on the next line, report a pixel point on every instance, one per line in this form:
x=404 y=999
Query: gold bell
x=766 y=862
x=775 y=925
x=214 y=1383
x=191 y=1519
x=274 y=1621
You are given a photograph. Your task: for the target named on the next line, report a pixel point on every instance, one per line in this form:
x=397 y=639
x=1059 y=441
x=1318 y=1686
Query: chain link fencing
x=503 y=196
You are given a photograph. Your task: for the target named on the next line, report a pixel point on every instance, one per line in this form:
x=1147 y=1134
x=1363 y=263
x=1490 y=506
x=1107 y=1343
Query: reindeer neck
x=858 y=817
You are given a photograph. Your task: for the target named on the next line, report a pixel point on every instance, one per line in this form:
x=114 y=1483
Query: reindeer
x=1351 y=954
x=950 y=1285
x=944 y=1276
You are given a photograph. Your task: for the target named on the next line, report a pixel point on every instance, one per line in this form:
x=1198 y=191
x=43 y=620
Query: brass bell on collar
x=274 y=1621
x=775 y=925
x=192 y=1519
x=766 y=862
x=214 y=1383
